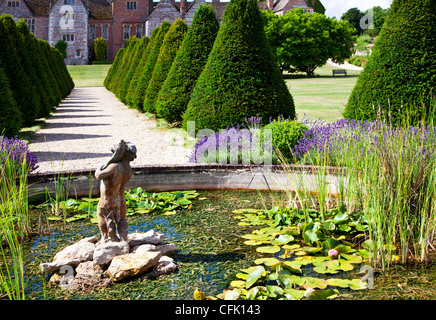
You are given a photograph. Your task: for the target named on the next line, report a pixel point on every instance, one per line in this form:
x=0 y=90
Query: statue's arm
x=106 y=173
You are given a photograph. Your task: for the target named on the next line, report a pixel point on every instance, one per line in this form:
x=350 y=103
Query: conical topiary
x=10 y=115
x=190 y=60
x=147 y=71
x=400 y=76
x=241 y=78
x=138 y=70
x=112 y=73
x=172 y=41
x=137 y=55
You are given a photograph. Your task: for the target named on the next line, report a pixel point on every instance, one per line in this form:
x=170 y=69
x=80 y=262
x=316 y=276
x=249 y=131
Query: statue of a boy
x=111 y=211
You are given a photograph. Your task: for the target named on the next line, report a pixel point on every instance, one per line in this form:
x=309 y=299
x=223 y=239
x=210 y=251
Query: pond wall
x=192 y=177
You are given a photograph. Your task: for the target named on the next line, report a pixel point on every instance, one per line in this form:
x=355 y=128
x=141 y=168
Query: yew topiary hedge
x=400 y=77
x=241 y=78
x=190 y=60
x=172 y=41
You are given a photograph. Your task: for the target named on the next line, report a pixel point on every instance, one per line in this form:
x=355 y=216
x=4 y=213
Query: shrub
x=113 y=69
x=62 y=45
x=147 y=71
x=138 y=70
x=190 y=60
x=15 y=63
x=100 y=49
x=137 y=55
x=286 y=134
x=10 y=115
x=172 y=41
x=127 y=57
x=401 y=71
x=17 y=151
x=241 y=78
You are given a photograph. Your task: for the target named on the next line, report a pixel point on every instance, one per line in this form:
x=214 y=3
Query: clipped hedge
x=172 y=41
x=10 y=116
x=147 y=71
x=400 y=76
x=241 y=78
x=190 y=60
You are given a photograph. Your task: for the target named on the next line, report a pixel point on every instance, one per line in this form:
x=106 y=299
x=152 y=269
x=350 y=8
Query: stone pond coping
x=192 y=177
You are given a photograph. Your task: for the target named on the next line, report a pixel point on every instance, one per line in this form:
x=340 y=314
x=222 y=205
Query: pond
x=211 y=253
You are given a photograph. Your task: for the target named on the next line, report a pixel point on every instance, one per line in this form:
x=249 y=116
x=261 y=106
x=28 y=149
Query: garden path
x=90 y=120
x=344 y=65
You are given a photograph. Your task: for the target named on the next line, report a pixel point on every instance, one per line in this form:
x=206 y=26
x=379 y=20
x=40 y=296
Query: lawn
x=89 y=75
x=323 y=96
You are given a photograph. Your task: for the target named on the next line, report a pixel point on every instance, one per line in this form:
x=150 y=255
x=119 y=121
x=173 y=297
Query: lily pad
x=268 y=249
x=254 y=275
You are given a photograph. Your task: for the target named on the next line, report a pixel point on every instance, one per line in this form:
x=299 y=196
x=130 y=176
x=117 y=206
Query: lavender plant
x=17 y=151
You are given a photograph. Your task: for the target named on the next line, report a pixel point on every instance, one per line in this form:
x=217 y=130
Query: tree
x=303 y=41
x=354 y=16
x=10 y=115
x=13 y=59
x=191 y=58
x=100 y=49
x=147 y=71
x=138 y=70
x=172 y=41
x=400 y=74
x=378 y=16
x=62 y=45
x=113 y=69
x=241 y=78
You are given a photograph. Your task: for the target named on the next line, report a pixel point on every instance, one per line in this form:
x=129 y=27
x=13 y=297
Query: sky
x=335 y=8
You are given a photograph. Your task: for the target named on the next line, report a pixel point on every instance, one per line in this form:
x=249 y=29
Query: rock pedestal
x=89 y=264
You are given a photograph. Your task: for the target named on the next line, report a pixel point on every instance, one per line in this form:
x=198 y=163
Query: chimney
x=270 y=4
x=183 y=7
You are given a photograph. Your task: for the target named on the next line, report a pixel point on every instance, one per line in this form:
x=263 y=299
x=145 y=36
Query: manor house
x=80 y=22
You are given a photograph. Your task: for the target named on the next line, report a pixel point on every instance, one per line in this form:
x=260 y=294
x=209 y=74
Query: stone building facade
x=80 y=22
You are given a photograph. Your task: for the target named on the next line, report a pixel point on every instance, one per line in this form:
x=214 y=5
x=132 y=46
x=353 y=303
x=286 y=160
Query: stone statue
x=113 y=176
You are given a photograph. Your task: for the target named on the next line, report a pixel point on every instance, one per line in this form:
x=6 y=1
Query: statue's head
x=122 y=150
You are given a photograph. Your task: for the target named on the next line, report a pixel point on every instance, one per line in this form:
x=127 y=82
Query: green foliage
x=147 y=71
x=400 y=76
x=131 y=68
x=124 y=66
x=317 y=6
x=286 y=135
x=241 y=78
x=10 y=116
x=303 y=41
x=62 y=45
x=138 y=70
x=293 y=239
x=100 y=49
x=172 y=41
x=113 y=69
x=353 y=16
x=191 y=58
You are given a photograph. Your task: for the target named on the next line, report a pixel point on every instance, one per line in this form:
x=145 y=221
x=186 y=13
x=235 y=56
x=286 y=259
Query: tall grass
x=389 y=174
x=14 y=226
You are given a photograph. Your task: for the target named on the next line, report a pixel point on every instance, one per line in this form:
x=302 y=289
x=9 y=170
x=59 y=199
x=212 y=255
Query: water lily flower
x=333 y=253
x=308 y=290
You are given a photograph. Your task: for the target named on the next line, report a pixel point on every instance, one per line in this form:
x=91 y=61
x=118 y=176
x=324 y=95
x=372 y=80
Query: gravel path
x=90 y=120
x=344 y=65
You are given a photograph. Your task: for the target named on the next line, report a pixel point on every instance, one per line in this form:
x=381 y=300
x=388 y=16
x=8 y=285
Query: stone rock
x=50 y=267
x=82 y=250
x=89 y=277
x=88 y=270
x=164 y=249
x=149 y=237
x=165 y=265
x=131 y=265
x=105 y=252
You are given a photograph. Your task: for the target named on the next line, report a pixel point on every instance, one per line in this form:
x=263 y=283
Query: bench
x=339 y=71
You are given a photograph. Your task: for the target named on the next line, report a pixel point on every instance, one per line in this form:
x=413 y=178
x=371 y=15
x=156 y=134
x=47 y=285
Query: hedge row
x=214 y=76
x=33 y=77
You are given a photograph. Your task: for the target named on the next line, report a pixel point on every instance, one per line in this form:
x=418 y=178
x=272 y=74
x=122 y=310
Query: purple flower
x=17 y=151
x=333 y=253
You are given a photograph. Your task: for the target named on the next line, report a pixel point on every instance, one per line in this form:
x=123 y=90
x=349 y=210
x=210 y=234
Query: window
x=92 y=32
x=139 y=30
x=68 y=1
x=105 y=32
x=13 y=4
x=30 y=25
x=78 y=53
x=126 y=30
x=131 y=5
x=68 y=37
